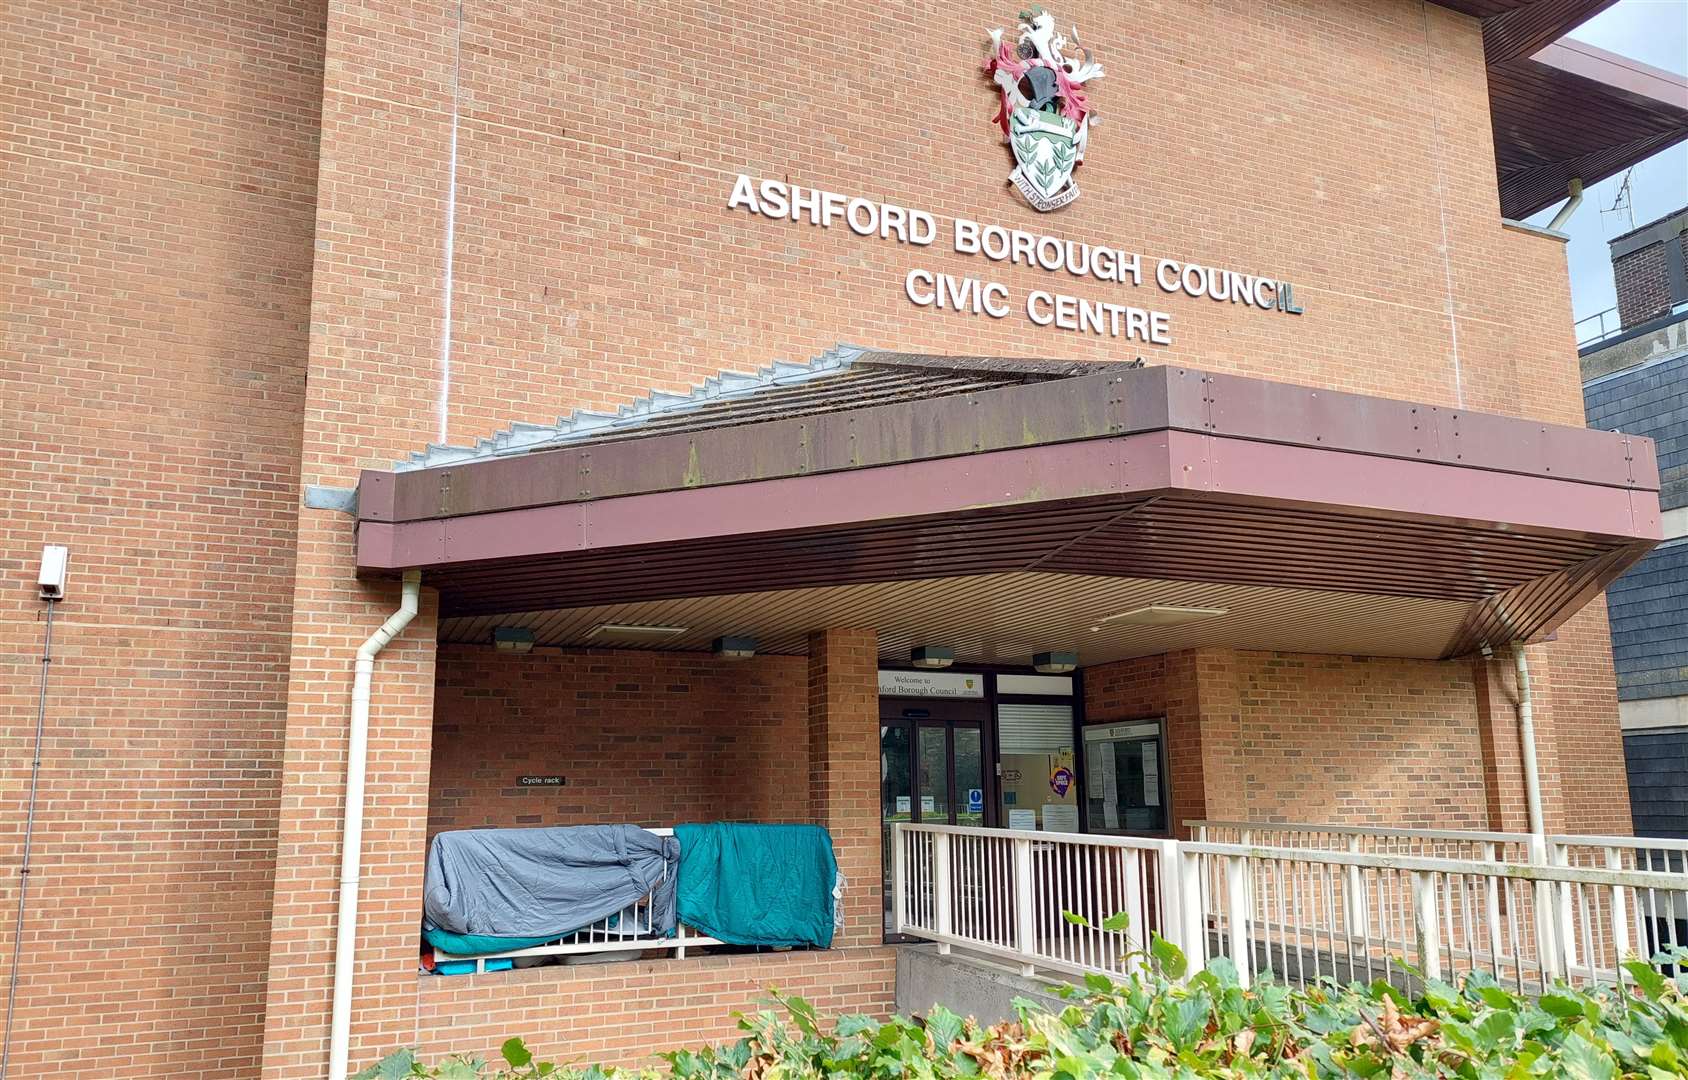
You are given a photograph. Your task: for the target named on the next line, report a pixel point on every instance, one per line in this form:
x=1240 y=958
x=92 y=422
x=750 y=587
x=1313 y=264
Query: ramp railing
x=1044 y=900
x=1058 y=900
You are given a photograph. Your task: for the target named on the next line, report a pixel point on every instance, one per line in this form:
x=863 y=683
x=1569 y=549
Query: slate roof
x=1657 y=762
x=1648 y=605
x=1649 y=399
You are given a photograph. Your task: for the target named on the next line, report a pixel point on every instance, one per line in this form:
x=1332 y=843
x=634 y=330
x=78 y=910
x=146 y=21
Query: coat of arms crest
x=1044 y=115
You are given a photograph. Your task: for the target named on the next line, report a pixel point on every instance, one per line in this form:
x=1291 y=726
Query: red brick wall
x=156 y=221
x=1360 y=741
x=844 y=772
x=623 y=1013
x=1642 y=280
x=1585 y=785
x=595 y=258
x=172 y=234
x=1288 y=737
x=646 y=738
x=1163 y=685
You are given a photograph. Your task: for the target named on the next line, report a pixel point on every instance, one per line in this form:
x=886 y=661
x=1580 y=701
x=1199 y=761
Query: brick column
x=329 y=625
x=1224 y=774
x=844 y=770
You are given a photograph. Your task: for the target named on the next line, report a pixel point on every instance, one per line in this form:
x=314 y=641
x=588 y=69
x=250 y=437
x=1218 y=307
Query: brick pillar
x=328 y=627
x=1219 y=712
x=844 y=770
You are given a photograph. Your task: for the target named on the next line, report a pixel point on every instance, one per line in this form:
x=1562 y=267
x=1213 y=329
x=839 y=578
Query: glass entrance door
x=931 y=770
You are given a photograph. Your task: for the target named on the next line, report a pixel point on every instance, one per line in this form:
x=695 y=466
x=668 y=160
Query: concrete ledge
x=1534 y=230
x=1634 y=348
x=966 y=984
x=1645 y=714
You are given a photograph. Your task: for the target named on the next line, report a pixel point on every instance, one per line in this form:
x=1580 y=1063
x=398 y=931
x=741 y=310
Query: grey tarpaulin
x=546 y=882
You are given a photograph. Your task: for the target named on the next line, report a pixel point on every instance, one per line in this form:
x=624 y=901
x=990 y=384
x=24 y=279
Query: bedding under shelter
x=488 y=890
x=748 y=884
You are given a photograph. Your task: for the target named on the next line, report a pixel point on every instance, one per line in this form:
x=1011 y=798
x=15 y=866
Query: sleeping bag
x=757 y=884
x=509 y=888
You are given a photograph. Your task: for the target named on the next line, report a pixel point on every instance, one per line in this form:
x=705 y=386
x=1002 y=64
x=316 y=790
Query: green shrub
x=1152 y=1026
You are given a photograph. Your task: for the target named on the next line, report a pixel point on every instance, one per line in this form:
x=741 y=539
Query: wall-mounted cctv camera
x=55 y=565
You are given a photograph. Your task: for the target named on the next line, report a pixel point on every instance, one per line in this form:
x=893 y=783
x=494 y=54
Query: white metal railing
x=1358 y=839
x=1302 y=913
x=630 y=930
x=1310 y=914
x=1666 y=911
x=1007 y=892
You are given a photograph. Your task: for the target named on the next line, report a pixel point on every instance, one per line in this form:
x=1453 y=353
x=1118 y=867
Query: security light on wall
x=733 y=648
x=931 y=657
x=516 y=639
x=55 y=564
x=1055 y=663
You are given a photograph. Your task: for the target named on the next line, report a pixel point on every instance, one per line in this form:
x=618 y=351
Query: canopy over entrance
x=1006 y=507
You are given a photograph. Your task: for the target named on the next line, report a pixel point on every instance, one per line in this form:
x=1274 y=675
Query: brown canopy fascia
x=1166 y=473
x=1575 y=112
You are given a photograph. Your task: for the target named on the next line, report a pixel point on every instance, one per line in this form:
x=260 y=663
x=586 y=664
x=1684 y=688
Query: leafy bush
x=1152 y=1026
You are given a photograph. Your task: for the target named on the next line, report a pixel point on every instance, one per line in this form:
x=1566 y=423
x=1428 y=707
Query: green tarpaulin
x=757 y=884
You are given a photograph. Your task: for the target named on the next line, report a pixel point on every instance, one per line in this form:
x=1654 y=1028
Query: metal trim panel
x=1059 y=411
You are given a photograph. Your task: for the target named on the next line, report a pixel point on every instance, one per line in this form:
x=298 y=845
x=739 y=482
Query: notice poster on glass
x=1104 y=778
x=1023 y=819
x=1060 y=817
x=1151 y=773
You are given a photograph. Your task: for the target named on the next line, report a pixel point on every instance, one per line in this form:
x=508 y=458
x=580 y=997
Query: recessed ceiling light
x=634 y=630
x=1165 y=615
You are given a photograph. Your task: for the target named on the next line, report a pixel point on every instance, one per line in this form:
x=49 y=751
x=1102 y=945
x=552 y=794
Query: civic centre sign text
x=1097 y=263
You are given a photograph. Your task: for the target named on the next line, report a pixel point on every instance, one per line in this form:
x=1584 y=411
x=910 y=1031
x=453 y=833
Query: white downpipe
x=1575 y=191
x=1527 y=741
x=351 y=840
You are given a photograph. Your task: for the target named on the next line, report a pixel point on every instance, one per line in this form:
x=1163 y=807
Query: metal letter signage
x=1044 y=113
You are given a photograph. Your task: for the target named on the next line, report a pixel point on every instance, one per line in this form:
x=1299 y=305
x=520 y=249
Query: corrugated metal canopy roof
x=895 y=469
x=844 y=377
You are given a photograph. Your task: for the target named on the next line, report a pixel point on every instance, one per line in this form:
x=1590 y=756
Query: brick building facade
x=251 y=250
x=1648 y=270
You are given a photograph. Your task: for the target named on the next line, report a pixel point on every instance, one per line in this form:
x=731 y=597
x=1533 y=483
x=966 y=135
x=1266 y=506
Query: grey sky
x=1654 y=32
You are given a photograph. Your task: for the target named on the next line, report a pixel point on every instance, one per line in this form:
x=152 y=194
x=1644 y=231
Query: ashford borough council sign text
x=992 y=299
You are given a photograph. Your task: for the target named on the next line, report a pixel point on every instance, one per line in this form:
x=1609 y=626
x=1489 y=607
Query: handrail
x=1520 y=912
x=1365 y=830
x=1602 y=333
x=1642 y=843
x=1637 y=879
x=1137 y=843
